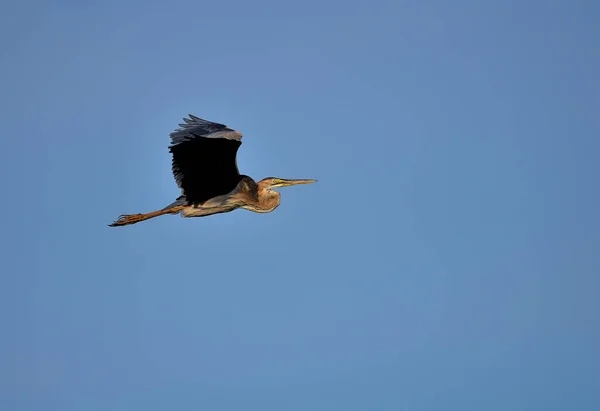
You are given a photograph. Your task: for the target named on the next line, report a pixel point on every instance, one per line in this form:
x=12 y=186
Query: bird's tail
x=127 y=219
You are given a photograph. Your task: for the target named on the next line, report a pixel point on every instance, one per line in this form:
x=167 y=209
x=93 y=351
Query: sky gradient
x=447 y=259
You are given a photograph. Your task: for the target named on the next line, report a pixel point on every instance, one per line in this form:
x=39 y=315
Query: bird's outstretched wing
x=204 y=159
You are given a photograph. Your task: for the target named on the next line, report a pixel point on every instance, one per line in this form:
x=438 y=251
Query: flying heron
x=205 y=169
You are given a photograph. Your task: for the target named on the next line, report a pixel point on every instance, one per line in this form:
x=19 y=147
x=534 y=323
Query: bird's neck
x=267 y=201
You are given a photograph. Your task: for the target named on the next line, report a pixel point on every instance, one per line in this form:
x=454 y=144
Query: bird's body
x=247 y=194
x=205 y=168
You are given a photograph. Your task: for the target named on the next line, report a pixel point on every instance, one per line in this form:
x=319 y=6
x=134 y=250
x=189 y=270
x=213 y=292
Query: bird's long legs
x=127 y=219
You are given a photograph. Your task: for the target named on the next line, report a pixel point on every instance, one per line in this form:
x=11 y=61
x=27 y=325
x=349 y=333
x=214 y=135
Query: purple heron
x=205 y=169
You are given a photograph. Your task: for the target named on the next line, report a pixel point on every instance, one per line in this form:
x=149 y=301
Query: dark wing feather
x=204 y=159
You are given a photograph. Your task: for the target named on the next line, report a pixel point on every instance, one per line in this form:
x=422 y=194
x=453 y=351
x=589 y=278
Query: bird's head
x=274 y=182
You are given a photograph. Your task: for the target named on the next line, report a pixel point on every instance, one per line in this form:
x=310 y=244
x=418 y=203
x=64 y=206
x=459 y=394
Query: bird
x=204 y=166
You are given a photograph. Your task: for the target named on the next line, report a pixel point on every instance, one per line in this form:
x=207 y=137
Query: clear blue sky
x=447 y=259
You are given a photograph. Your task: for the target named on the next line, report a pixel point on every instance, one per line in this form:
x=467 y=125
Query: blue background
x=448 y=257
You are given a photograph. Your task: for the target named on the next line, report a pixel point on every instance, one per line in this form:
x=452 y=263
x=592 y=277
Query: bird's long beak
x=280 y=182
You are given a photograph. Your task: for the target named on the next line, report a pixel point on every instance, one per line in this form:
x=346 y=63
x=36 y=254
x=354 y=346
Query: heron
x=205 y=168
